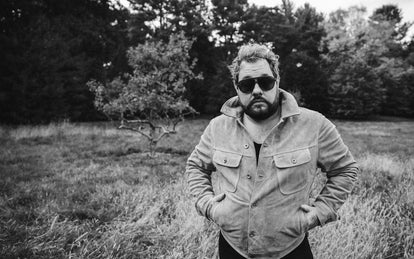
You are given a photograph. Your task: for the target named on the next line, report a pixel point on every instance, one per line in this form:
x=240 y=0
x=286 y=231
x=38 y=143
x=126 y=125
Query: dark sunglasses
x=265 y=83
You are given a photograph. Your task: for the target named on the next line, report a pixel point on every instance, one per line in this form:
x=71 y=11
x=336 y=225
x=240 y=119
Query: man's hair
x=251 y=53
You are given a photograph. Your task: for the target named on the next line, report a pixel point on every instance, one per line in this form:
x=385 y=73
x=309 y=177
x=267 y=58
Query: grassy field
x=90 y=191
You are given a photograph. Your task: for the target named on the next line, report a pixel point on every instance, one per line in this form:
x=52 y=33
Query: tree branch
x=142 y=122
x=122 y=126
x=164 y=133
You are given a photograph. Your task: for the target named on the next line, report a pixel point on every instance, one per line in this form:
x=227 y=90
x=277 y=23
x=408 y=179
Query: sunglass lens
x=247 y=85
x=266 y=83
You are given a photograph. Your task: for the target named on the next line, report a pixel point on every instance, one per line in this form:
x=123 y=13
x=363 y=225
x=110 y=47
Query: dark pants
x=303 y=251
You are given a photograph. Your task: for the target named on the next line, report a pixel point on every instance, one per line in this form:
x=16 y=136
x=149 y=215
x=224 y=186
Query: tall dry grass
x=90 y=191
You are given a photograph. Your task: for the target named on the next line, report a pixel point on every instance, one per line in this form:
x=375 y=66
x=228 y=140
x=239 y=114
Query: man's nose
x=257 y=90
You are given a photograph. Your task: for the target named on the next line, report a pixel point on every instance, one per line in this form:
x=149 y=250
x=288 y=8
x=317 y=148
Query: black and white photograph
x=207 y=129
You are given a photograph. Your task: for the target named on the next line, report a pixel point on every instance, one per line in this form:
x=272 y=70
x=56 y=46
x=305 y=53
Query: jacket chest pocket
x=228 y=166
x=293 y=170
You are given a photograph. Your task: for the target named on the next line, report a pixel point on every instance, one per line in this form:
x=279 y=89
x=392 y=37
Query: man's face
x=259 y=104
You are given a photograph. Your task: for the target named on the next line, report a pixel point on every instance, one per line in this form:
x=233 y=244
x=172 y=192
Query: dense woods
x=344 y=65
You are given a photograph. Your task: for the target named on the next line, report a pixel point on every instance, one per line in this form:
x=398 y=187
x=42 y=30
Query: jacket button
x=246 y=146
x=249 y=176
x=252 y=234
x=254 y=204
x=294 y=161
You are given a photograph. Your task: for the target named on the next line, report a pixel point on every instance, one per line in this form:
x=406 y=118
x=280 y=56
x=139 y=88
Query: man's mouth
x=258 y=101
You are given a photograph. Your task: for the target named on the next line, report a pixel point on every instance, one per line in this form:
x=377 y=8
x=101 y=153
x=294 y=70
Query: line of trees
x=343 y=65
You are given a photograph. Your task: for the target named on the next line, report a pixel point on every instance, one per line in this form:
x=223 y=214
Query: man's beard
x=260 y=113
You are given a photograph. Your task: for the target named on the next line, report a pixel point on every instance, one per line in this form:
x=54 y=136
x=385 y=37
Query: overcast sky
x=327 y=6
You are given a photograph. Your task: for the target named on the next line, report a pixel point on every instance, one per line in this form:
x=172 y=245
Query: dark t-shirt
x=257 y=147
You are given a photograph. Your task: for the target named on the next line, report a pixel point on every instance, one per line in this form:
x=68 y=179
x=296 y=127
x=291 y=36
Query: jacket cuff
x=203 y=205
x=324 y=213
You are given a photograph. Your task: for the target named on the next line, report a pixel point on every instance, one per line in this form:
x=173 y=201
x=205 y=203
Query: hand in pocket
x=213 y=203
x=310 y=215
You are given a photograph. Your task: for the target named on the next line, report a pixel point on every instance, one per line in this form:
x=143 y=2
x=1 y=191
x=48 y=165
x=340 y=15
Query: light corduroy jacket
x=260 y=216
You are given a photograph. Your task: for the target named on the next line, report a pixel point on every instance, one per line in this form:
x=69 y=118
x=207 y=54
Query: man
x=266 y=151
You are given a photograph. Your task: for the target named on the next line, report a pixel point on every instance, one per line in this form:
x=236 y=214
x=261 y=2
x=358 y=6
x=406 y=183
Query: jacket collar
x=288 y=104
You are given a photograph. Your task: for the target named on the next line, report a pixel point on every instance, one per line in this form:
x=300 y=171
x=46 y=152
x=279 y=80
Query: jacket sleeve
x=199 y=168
x=341 y=170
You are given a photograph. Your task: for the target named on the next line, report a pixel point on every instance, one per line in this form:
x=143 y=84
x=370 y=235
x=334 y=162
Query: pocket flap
x=226 y=158
x=291 y=159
